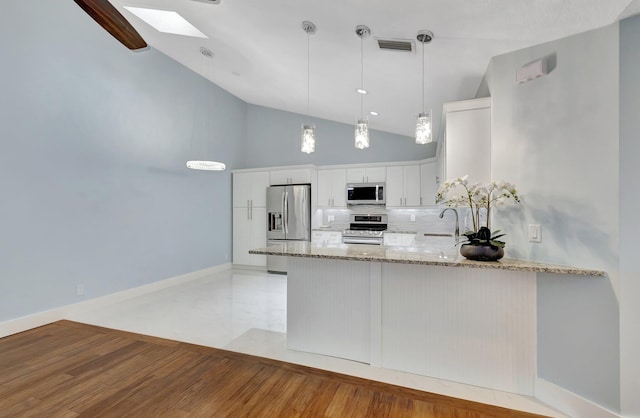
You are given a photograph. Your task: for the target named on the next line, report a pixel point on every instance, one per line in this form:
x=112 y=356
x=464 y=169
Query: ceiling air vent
x=406 y=45
x=209 y=1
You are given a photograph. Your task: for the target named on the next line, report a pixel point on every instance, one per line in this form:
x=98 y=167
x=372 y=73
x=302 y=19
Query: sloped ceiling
x=260 y=48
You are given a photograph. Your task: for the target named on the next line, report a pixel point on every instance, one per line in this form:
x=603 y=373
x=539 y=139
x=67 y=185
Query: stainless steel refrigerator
x=288 y=219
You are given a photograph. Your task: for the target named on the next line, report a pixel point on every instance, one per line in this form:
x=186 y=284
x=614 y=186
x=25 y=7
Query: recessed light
x=361 y=91
x=166 y=21
x=373 y=113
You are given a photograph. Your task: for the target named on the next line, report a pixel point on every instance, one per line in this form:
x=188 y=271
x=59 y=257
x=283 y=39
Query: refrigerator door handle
x=286 y=212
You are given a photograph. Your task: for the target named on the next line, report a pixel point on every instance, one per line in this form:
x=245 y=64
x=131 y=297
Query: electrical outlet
x=226 y=256
x=535 y=233
x=80 y=289
x=331 y=218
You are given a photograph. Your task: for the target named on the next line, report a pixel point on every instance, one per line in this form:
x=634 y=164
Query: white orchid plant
x=459 y=192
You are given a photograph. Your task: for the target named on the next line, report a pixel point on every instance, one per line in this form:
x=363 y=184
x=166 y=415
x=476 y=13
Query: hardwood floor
x=67 y=369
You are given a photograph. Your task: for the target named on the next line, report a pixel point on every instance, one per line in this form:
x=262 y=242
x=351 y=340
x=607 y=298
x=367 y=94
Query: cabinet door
x=333 y=237
x=294 y=176
x=300 y=176
x=395 y=192
x=325 y=188
x=338 y=187
x=356 y=175
x=317 y=236
x=250 y=188
x=392 y=239
x=258 y=235
x=408 y=239
x=468 y=141
x=411 y=185
x=376 y=174
x=428 y=184
x=278 y=177
x=241 y=236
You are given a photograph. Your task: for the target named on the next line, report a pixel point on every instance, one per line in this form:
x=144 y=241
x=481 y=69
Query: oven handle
x=375 y=241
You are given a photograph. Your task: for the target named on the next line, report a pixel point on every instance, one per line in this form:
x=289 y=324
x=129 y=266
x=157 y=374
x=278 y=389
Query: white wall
x=94 y=140
x=556 y=139
x=629 y=211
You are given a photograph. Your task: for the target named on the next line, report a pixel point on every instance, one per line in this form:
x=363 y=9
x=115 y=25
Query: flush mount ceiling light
x=308 y=144
x=166 y=21
x=424 y=133
x=362 y=126
x=205 y=165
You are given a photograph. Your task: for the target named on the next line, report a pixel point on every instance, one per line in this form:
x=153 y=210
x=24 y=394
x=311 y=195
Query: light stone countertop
x=425 y=255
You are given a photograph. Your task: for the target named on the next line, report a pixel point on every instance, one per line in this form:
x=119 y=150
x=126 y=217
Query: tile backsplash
x=427 y=220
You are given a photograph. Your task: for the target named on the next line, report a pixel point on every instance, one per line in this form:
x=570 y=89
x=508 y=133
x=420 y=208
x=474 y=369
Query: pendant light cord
x=362 y=76
x=308 y=75
x=422 y=77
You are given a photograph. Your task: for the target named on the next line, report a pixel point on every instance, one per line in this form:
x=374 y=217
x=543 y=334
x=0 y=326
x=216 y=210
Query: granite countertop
x=425 y=255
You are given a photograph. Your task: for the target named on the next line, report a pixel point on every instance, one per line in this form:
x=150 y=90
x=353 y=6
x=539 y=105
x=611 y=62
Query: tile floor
x=245 y=311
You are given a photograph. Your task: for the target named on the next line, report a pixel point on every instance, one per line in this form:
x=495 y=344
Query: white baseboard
x=24 y=323
x=568 y=402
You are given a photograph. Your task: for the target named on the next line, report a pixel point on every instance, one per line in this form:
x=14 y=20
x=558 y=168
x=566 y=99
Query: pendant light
x=424 y=133
x=204 y=164
x=362 y=127
x=308 y=143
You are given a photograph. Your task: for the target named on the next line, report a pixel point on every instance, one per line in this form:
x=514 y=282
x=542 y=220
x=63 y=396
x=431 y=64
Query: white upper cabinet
x=250 y=189
x=403 y=186
x=467 y=140
x=332 y=188
x=366 y=175
x=292 y=176
x=428 y=184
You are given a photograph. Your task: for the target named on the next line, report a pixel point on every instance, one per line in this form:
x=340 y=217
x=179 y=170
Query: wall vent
x=405 y=45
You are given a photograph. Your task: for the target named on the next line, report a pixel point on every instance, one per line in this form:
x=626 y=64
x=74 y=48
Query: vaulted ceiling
x=260 y=48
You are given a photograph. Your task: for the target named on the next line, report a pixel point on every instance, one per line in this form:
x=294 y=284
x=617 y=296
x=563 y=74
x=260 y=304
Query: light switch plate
x=535 y=233
x=413 y=217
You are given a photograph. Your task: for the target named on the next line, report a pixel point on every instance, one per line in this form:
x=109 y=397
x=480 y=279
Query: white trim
x=27 y=322
x=568 y=402
x=335 y=166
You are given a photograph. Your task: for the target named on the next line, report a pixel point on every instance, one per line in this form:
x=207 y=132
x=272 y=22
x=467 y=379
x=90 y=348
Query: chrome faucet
x=457 y=231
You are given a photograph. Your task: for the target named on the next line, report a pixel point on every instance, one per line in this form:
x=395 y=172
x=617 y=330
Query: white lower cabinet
x=399 y=239
x=249 y=231
x=326 y=237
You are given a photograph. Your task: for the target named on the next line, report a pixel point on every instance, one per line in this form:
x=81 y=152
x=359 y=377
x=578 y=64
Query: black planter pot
x=481 y=252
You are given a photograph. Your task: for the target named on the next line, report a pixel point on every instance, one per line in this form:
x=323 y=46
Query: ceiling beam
x=107 y=16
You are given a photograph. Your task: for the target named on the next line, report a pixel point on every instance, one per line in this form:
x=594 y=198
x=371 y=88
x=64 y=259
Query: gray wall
x=629 y=210
x=92 y=166
x=273 y=139
x=556 y=139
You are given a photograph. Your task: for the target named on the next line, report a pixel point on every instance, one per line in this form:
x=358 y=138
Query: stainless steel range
x=365 y=229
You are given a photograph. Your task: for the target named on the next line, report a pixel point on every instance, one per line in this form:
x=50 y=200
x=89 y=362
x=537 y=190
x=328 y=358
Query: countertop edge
x=504 y=264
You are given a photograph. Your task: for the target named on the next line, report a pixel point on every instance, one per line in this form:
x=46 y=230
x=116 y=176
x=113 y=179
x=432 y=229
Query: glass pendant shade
x=308 y=143
x=423 y=129
x=362 y=134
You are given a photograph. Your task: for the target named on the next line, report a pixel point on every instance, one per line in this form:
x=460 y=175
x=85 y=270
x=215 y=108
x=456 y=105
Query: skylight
x=166 y=21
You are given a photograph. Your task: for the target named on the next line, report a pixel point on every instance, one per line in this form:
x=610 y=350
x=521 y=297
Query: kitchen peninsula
x=421 y=310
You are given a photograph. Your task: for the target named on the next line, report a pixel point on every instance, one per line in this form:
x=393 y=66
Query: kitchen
x=174 y=216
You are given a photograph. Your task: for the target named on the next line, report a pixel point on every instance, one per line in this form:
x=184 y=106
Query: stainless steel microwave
x=366 y=194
